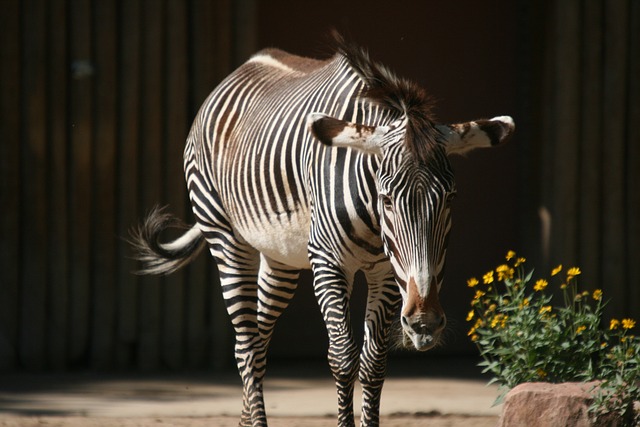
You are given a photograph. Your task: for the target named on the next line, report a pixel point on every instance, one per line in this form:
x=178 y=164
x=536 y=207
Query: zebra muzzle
x=422 y=319
x=423 y=333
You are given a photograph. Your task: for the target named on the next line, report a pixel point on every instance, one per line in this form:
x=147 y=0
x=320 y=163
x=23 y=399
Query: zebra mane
x=383 y=87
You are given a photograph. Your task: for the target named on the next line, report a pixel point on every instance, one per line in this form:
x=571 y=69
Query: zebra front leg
x=382 y=303
x=332 y=292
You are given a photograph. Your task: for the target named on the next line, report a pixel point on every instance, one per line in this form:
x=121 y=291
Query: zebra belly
x=282 y=237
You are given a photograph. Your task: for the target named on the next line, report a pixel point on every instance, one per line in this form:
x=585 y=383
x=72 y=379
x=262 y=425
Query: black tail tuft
x=164 y=258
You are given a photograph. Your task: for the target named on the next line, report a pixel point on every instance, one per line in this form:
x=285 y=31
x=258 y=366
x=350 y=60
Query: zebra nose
x=432 y=324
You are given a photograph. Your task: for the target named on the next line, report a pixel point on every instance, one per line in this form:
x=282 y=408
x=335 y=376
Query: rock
x=551 y=405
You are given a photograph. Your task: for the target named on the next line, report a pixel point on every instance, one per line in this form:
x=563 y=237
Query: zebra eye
x=451 y=196
x=386 y=201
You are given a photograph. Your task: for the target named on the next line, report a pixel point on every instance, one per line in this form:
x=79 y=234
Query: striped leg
x=382 y=303
x=238 y=266
x=255 y=290
x=332 y=292
x=254 y=309
x=276 y=286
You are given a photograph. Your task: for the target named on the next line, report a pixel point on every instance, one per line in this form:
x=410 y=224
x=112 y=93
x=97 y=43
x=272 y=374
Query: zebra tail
x=164 y=258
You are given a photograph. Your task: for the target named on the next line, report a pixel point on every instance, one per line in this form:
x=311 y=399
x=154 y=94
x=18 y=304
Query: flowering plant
x=523 y=337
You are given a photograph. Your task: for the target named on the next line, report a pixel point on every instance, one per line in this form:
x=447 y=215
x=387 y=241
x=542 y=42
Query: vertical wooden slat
x=10 y=142
x=58 y=302
x=150 y=140
x=34 y=190
x=567 y=98
x=591 y=144
x=548 y=125
x=104 y=157
x=613 y=206
x=633 y=163
x=531 y=19
x=175 y=131
x=244 y=30
x=129 y=77
x=80 y=196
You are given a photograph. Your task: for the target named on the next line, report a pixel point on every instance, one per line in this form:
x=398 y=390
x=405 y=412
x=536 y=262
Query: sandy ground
x=447 y=398
x=393 y=421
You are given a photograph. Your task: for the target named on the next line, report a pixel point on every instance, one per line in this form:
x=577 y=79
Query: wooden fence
x=589 y=161
x=97 y=97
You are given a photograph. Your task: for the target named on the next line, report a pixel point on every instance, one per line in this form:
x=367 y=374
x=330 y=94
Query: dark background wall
x=96 y=99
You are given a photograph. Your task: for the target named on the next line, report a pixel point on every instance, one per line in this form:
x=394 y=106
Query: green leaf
x=527 y=278
x=493 y=380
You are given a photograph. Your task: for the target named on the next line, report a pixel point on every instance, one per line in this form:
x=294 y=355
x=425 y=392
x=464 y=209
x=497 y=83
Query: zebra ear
x=339 y=133
x=463 y=137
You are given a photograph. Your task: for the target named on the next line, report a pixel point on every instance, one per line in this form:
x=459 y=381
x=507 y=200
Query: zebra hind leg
x=277 y=284
x=238 y=266
x=255 y=299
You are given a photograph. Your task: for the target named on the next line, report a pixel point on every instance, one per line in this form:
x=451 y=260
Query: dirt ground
x=443 y=394
x=433 y=420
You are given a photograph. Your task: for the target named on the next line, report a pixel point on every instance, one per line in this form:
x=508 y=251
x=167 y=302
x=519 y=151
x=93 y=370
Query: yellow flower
x=499 y=320
x=556 y=270
x=496 y=320
x=614 y=324
x=628 y=323
x=504 y=272
x=488 y=278
x=474 y=337
x=540 y=285
x=479 y=323
x=541 y=373
x=597 y=294
x=470 y=316
x=510 y=255
x=524 y=303
x=472 y=282
x=545 y=309
x=476 y=298
x=580 y=329
x=520 y=261
x=573 y=272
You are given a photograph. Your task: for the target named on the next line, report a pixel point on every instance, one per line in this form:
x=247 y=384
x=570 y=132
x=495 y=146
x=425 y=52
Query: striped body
x=256 y=152
x=294 y=163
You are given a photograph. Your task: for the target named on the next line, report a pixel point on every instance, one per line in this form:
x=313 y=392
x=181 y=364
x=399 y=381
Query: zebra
x=332 y=165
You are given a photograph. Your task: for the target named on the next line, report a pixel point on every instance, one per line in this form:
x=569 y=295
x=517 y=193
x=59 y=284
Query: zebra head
x=415 y=189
